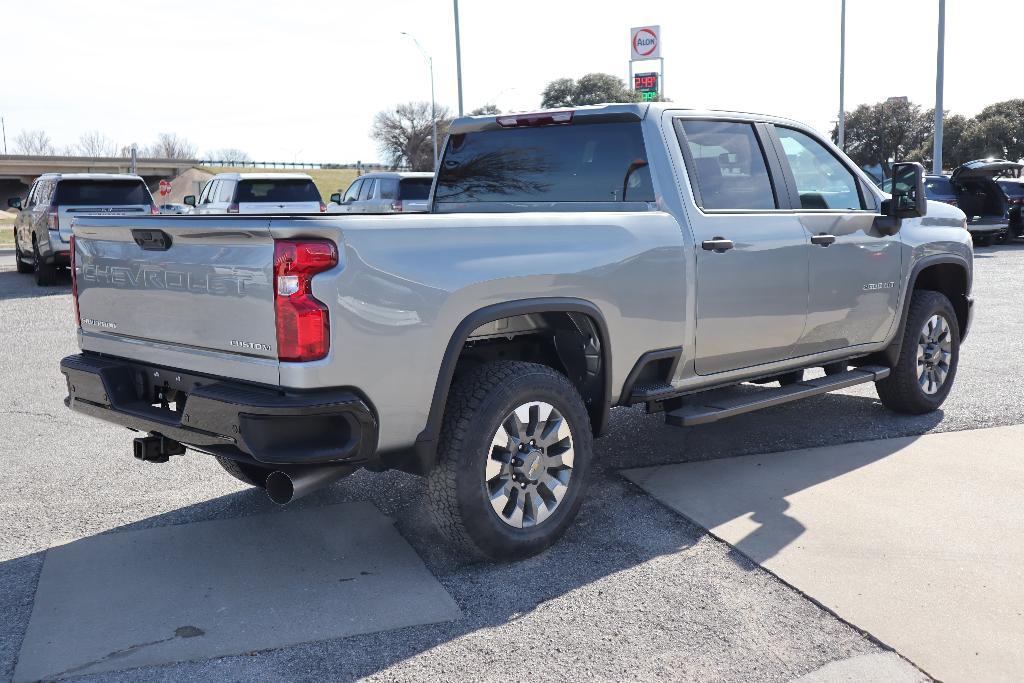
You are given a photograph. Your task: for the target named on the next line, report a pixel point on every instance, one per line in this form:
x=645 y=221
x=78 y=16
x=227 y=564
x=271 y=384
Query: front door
x=751 y=253
x=854 y=269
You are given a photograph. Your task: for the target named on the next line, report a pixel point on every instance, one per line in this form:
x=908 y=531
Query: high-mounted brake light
x=303 y=324
x=540 y=119
x=74 y=284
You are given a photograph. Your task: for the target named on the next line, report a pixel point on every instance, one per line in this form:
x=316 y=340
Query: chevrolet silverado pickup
x=572 y=261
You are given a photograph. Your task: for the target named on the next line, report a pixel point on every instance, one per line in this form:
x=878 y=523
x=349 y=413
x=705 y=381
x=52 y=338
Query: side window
x=226 y=191
x=367 y=191
x=388 y=188
x=728 y=165
x=205 y=193
x=211 y=196
x=822 y=181
x=353 y=191
x=44 y=195
x=32 y=193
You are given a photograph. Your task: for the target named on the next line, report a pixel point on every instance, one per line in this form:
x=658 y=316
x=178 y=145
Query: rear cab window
x=101 y=193
x=274 y=190
x=581 y=162
x=414 y=188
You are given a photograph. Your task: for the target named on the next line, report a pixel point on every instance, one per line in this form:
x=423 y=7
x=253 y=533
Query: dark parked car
x=976 y=187
x=1014 y=191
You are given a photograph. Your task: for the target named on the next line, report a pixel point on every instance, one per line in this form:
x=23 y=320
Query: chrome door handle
x=719 y=245
x=823 y=239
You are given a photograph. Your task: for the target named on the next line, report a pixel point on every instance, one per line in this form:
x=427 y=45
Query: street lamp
x=433 y=106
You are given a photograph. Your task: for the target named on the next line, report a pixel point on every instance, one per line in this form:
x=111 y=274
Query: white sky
x=301 y=80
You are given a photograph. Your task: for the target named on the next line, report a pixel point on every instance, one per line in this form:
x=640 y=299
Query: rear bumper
x=223 y=417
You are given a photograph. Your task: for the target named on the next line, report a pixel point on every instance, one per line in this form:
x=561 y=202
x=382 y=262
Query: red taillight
x=154 y=210
x=396 y=206
x=233 y=207
x=541 y=119
x=74 y=284
x=54 y=219
x=323 y=207
x=303 y=325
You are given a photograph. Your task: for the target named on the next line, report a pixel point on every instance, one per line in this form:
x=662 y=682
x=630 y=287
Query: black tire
x=902 y=390
x=253 y=475
x=46 y=273
x=22 y=265
x=479 y=404
x=790 y=378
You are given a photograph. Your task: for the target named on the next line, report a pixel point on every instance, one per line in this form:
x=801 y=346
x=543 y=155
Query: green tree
x=885 y=132
x=595 y=88
x=486 y=110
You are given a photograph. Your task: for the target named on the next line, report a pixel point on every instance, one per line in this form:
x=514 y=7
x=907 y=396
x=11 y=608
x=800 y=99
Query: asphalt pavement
x=633 y=591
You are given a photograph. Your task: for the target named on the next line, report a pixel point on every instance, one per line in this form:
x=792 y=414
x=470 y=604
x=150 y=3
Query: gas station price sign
x=647 y=85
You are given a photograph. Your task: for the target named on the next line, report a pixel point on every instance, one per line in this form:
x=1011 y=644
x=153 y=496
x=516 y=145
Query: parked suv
x=1014 y=191
x=42 y=230
x=258 y=193
x=385 y=193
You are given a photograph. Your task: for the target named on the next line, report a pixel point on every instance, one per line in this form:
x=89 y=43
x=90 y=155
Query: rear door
x=76 y=197
x=854 y=269
x=187 y=283
x=751 y=251
x=366 y=193
x=277 y=195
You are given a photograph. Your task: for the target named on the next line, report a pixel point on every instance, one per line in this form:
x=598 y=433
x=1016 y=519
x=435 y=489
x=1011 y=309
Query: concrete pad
x=222 y=587
x=878 y=667
x=919 y=541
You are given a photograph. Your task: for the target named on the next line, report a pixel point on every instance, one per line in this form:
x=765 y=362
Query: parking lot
x=634 y=590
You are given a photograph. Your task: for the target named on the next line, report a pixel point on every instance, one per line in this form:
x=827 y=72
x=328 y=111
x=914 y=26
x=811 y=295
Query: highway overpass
x=17 y=171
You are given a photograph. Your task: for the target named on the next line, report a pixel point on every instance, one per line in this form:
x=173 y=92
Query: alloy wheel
x=934 y=352
x=530 y=464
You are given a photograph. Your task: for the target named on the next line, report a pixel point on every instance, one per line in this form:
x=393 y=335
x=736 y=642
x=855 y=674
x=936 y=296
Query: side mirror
x=336 y=198
x=190 y=199
x=908 y=198
x=14 y=203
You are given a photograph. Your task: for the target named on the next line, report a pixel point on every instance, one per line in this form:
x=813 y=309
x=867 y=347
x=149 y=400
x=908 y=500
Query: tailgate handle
x=152 y=240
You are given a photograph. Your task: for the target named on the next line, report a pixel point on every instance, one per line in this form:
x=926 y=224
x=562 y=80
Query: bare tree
x=34 y=142
x=486 y=110
x=404 y=136
x=95 y=144
x=230 y=154
x=171 y=146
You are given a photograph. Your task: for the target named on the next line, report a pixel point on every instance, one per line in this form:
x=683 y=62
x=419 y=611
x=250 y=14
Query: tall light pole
x=458 y=55
x=842 y=79
x=433 y=105
x=940 y=59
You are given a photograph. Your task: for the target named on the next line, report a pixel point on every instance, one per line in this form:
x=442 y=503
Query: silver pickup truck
x=573 y=261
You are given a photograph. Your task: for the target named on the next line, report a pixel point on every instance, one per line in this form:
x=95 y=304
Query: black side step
x=691 y=415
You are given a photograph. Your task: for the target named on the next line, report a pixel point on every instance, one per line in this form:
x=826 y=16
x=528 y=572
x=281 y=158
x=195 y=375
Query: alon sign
x=645 y=42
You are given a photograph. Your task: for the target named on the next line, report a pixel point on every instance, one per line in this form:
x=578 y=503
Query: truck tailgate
x=186 y=284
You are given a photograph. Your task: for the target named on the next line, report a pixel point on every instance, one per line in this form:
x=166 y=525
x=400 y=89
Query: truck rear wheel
x=513 y=460
x=928 y=357
x=19 y=259
x=46 y=273
x=253 y=475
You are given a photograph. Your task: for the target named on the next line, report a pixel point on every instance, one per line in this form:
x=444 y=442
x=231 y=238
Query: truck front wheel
x=513 y=460
x=928 y=357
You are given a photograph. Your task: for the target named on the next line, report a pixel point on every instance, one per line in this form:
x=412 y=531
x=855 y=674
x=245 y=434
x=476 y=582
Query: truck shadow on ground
x=15 y=285
x=619 y=529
